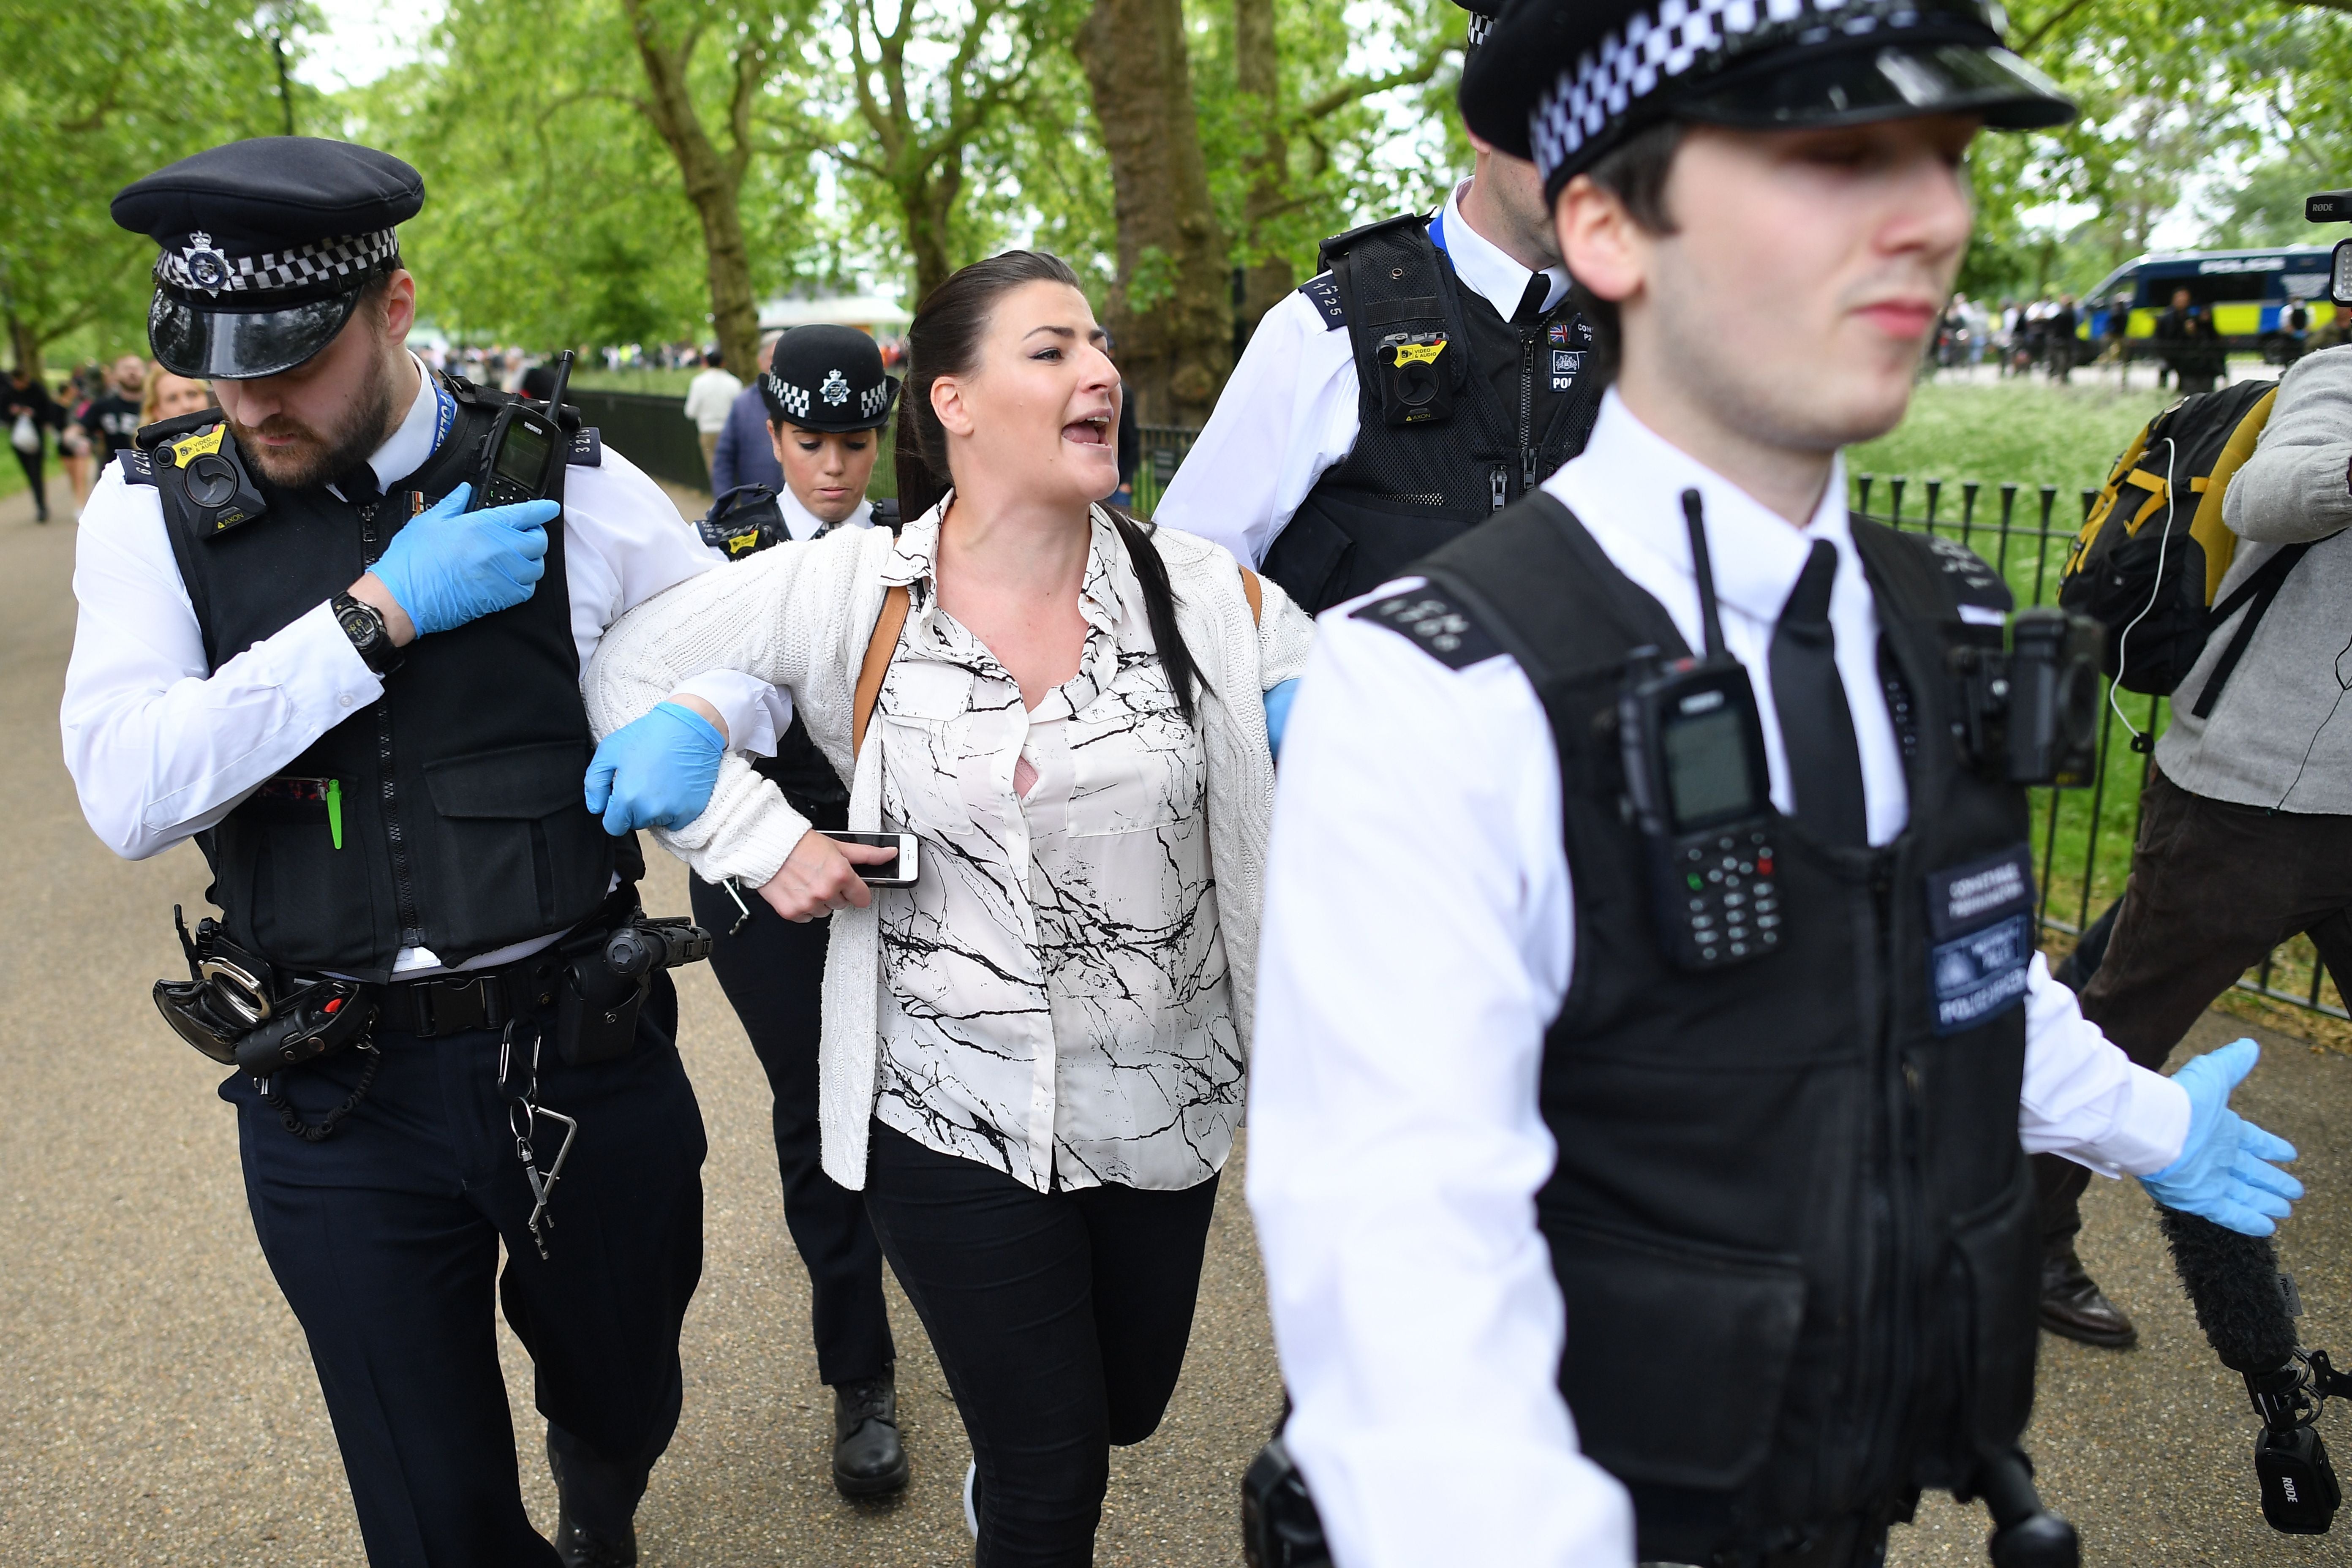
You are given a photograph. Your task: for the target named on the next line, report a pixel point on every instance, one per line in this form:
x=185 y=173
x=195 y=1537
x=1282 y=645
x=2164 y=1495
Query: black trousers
x=772 y=972
x=1060 y=1319
x=31 y=463
x=385 y=1237
x=2214 y=886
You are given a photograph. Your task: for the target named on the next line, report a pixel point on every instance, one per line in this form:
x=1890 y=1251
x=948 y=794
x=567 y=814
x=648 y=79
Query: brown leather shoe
x=2072 y=1306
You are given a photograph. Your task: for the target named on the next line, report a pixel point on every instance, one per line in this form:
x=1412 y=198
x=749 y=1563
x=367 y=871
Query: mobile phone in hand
x=899 y=872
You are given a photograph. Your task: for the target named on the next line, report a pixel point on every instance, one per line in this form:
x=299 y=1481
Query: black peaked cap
x=271 y=193
x=1565 y=81
x=828 y=378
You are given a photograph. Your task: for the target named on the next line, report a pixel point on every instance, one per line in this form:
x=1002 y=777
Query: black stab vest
x=1525 y=399
x=464 y=826
x=1792 y=1223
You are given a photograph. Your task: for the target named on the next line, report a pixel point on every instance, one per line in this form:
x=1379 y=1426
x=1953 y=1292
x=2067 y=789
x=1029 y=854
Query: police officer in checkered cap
x=1655 y=1189
x=1434 y=370
x=299 y=647
x=828 y=398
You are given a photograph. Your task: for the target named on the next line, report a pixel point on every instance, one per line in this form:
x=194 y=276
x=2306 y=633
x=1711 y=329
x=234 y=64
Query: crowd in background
x=87 y=416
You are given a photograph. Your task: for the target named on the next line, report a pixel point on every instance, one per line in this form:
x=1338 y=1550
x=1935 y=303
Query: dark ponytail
x=944 y=340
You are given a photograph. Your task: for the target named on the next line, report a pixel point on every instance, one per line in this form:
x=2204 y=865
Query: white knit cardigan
x=799 y=617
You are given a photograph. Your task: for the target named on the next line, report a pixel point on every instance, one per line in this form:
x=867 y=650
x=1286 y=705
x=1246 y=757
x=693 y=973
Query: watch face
x=362 y=625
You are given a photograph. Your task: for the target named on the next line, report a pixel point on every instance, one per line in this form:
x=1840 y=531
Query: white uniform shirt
x=1054 y=995
x=1419 y=941
x=160 y=747
x=803 y=523
x=1290 y=411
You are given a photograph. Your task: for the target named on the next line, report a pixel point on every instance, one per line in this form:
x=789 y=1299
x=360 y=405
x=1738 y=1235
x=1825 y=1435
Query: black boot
x=868 y=1459
x=2074 y=1307
x=578 y=1544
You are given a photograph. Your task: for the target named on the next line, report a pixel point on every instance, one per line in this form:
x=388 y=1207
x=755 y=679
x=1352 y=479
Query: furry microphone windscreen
x=2232 y=1280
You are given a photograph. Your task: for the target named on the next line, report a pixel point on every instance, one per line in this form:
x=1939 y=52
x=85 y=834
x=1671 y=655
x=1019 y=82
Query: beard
x=317 y=457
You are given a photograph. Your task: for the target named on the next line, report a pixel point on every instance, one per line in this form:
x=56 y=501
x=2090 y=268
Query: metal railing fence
x=1165 y=446
x=2084 y=837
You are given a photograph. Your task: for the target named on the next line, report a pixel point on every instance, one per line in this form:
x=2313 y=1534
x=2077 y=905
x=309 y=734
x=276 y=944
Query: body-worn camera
x=2029 y=713
x=1701 y=790
x=744 y=522
x=1416 y=378
x=526 y=450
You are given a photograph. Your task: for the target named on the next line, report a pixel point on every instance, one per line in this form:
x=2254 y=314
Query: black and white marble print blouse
x=1053 y=994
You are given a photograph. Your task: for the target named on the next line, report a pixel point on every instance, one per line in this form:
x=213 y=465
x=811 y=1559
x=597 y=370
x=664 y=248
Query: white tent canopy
x=869 y=312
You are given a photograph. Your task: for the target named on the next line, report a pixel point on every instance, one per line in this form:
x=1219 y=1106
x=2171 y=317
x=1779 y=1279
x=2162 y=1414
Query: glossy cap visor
x=241 y=345
x=1859 y=86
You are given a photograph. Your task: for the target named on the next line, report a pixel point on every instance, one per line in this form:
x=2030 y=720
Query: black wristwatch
x=363 y=624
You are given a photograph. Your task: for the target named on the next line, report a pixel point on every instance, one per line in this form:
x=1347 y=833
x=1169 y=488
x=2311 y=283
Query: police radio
x=1700 y=788
x=527 y=450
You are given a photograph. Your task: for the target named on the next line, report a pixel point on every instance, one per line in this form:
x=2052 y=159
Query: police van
x=2251 y=294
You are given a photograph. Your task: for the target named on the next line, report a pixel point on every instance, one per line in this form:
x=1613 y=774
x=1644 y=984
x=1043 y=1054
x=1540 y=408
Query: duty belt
x=471 y=999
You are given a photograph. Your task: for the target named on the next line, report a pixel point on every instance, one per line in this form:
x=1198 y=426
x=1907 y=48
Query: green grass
x=654 y=383
x=2032 y=433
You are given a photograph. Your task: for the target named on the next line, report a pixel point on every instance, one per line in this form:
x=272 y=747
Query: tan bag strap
x=1256 y=595
x=878 y=653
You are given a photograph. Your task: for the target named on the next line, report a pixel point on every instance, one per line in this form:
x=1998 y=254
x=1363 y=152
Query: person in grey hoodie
x=2245 y=835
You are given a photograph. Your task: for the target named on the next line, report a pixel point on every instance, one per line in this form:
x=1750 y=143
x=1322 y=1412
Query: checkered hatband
x=795 y=400
x=202 y=268
x=1479 y=27
x=874 y=399
x=1673 y=38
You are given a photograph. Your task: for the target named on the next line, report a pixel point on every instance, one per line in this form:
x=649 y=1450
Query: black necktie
x=1531 y=300
x=1816 y=728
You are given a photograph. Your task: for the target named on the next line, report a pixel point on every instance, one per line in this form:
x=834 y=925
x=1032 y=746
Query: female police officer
x=1727 y=1260
x=828 y=398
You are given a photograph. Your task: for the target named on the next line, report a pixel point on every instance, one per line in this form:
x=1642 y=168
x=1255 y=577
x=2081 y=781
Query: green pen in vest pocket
x=335 y=810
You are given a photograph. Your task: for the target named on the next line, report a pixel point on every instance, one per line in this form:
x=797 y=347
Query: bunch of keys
x=525 y=1127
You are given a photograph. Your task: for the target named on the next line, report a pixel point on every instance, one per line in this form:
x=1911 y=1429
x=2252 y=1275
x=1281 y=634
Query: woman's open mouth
x=1094 y=431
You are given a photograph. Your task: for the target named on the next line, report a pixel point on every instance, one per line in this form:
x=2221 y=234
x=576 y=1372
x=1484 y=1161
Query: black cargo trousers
x=385 y=1236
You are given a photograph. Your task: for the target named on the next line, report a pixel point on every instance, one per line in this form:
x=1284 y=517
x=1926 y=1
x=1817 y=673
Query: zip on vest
x=1527 y=412
x=404 y=882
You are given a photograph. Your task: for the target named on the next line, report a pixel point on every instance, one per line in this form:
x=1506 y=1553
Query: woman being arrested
x=1033 y=1059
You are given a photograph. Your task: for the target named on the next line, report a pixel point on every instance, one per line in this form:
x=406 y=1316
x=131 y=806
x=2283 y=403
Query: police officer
x=827 y=398
x=1428 y=377
x=1721 y=1262
x=298 y=647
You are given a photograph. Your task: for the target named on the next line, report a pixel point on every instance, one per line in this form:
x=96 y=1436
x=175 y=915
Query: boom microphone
x=2247 y=1308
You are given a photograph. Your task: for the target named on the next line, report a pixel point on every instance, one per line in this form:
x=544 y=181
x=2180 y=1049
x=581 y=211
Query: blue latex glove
x=2222 y=1173
x=449 y=566
x=657 y=771
x=1277 y=713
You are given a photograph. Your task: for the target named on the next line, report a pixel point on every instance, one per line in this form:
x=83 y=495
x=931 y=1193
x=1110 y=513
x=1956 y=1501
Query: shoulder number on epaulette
x=137 y=468
x=1973 y=580
x=587 y=448
x=1322 y=291
x=1432 y=622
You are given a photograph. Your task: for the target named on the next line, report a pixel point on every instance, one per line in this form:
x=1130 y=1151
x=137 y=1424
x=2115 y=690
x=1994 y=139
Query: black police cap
x=828 y=378
x=267 y=245
x=1482 y=22
x=1565 y=81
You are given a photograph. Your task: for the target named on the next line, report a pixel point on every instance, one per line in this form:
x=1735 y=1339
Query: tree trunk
x=24 y=344
x=714 y=182
x=1172 y=309
x=1257 y=77
x=927 y=209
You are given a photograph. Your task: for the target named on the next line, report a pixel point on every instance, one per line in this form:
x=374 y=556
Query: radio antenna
x=562 y=380
x=1702 y=568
